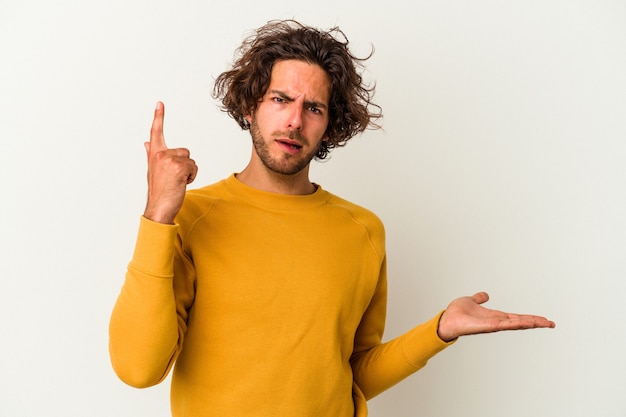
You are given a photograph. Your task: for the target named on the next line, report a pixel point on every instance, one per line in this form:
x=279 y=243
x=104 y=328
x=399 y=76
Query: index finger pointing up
x=157 y=140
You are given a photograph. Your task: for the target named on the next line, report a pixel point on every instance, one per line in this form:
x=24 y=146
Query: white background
x=501 y=168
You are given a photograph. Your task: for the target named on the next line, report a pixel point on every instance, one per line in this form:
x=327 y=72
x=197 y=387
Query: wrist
x=159 y=217
x=443 y=331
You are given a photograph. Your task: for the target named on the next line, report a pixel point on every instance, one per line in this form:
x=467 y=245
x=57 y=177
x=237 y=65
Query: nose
x=294 y=120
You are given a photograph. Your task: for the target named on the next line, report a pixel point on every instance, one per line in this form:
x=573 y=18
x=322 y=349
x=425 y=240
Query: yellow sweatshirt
x=270 y=305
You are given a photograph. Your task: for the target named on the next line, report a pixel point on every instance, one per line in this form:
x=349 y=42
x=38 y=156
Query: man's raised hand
x=169 y=172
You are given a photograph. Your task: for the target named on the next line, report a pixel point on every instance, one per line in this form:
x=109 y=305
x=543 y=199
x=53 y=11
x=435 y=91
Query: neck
x=264 y=179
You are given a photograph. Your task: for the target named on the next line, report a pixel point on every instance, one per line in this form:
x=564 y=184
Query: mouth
x=291 y=146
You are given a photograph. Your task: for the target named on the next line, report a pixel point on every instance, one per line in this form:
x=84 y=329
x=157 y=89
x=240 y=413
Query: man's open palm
x=466 y=315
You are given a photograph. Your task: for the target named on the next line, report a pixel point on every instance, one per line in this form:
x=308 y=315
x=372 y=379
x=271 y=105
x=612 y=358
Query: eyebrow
x=307 y=103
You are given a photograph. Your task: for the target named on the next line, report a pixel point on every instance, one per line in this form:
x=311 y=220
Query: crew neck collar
x=274 y=200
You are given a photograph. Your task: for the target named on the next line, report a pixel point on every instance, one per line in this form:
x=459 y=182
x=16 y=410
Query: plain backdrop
x=501 y=167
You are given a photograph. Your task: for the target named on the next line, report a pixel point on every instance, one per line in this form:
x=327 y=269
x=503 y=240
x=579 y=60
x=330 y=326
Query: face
x=290 y=121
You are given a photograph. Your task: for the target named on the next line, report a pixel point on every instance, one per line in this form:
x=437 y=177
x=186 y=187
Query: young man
x=267 y=292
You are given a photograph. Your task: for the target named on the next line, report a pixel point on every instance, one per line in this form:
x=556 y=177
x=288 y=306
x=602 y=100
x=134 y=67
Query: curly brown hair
x=351 y=109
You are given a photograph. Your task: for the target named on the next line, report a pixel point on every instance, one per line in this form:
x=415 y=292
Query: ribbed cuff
x=423 y=342
x=154 y=250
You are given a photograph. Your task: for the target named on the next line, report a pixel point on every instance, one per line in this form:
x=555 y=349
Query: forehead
x=299 y=78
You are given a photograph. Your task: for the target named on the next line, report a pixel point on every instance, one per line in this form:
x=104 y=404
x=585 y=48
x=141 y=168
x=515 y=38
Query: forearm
x=144 y=329
x=385 y=365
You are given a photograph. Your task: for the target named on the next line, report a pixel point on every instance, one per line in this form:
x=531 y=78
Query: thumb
x=480 y=297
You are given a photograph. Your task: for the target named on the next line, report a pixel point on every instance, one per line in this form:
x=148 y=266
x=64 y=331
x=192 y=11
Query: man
x=267 y=292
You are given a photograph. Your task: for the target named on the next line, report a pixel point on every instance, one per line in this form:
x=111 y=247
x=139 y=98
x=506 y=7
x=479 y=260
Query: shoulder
x=355 y=209
x=360 y=215
x=199 y=202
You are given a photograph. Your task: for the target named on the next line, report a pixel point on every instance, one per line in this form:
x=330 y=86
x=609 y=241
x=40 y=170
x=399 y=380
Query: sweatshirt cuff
x=154 y=250
x=423 y=342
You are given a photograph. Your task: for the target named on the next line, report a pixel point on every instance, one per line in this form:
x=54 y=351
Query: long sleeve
x=145 y=331
x=378 y=366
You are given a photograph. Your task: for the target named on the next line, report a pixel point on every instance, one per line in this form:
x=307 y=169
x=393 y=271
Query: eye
x=315 y=110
